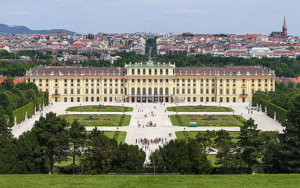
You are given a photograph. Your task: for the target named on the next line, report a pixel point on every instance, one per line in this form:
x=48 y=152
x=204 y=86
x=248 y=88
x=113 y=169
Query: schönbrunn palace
x=151 y=82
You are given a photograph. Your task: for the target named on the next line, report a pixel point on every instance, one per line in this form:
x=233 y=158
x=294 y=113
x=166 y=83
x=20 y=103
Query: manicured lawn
x=150 y=181
x=98 y=120
x=97 y=108
x=213 y=120
x=199 y=109
x=121 y=135
x=212 y=159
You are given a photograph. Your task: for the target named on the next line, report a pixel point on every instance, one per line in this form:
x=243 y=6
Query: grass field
x=192 y=134
x=219 y=120
x=97 y=108
x=101 y=119
x=147 y=181
x=199 y=109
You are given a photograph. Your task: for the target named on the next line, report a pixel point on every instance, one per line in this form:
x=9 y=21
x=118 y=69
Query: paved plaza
x=163 y=124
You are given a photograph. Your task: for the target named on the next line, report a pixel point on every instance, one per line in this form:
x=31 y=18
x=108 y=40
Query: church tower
x=284 y=29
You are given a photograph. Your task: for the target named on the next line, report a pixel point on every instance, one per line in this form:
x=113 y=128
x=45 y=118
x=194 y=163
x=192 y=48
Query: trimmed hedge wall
x=29 y=108
x=271 y=108
x=21 y=112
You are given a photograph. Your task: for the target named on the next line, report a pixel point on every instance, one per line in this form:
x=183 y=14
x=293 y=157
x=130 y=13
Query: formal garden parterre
x=99 y=119
x=208 y=120
x=100 y=108
x=199 y=108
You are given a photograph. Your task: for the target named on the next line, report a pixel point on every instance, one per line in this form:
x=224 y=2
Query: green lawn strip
x=199 y=109
x=67 y=162
x=97 y=108
x=149 y=181
x=121 y=137
x=180 y=135
x=212 y=159
x=103 y=119
x=221 y=120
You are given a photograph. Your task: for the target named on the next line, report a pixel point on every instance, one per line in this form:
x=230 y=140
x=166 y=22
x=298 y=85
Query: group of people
x=145 y=141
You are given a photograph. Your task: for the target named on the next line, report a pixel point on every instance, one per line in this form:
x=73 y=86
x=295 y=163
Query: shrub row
x=21 y=112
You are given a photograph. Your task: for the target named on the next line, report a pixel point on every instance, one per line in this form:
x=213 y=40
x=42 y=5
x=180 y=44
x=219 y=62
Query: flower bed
x=91 y=118
x=122 y=119
x=238 y=118
x=99 y=107
x=186 y=135
x=116 y=135
x=209 y=119
x=64 y=116
x=178 y=118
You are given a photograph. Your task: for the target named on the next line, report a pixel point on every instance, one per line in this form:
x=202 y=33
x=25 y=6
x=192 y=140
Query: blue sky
x=120 y=16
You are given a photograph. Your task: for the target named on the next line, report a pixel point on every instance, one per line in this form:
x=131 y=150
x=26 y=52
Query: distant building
x=282 y=34
x=152 y=82
x=58 y=34
x=178 y=51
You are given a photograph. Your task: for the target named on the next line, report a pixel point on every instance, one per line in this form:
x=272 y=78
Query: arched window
x=132 y=91
x=155 y=91
x=149 y=91
x=167 y=91
x=167 y=71
x=125 y=90
x=161 y=91
x=243 y=91
x=160 y=71
x=155 y=71
x=144 y=91
x=139 y=71
x=132 y=71
x=56 y=91
x=138 y=91
x=144 y=71
x=150 y=72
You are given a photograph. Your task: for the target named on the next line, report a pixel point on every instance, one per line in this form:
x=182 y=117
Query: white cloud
x=184 y=10
x=19 y=13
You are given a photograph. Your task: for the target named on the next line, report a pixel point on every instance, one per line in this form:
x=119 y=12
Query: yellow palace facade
x=152 y=82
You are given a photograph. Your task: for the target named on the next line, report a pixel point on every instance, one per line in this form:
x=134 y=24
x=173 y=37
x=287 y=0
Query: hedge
x=21 y=112
x=257 y=100
x=29 y=108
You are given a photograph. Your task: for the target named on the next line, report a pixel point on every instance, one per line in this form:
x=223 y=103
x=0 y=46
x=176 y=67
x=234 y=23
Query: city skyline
x=129 y=16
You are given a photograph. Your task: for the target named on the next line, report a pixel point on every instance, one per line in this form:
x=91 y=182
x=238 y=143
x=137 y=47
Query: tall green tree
x=226 y=150
x=8 y=83
x=289 y=160
x=128 y=159
x=179 y=156
x=77 y=137
x=53 y=137
x=251 y=144
x=99 y=156
x=206 y=140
